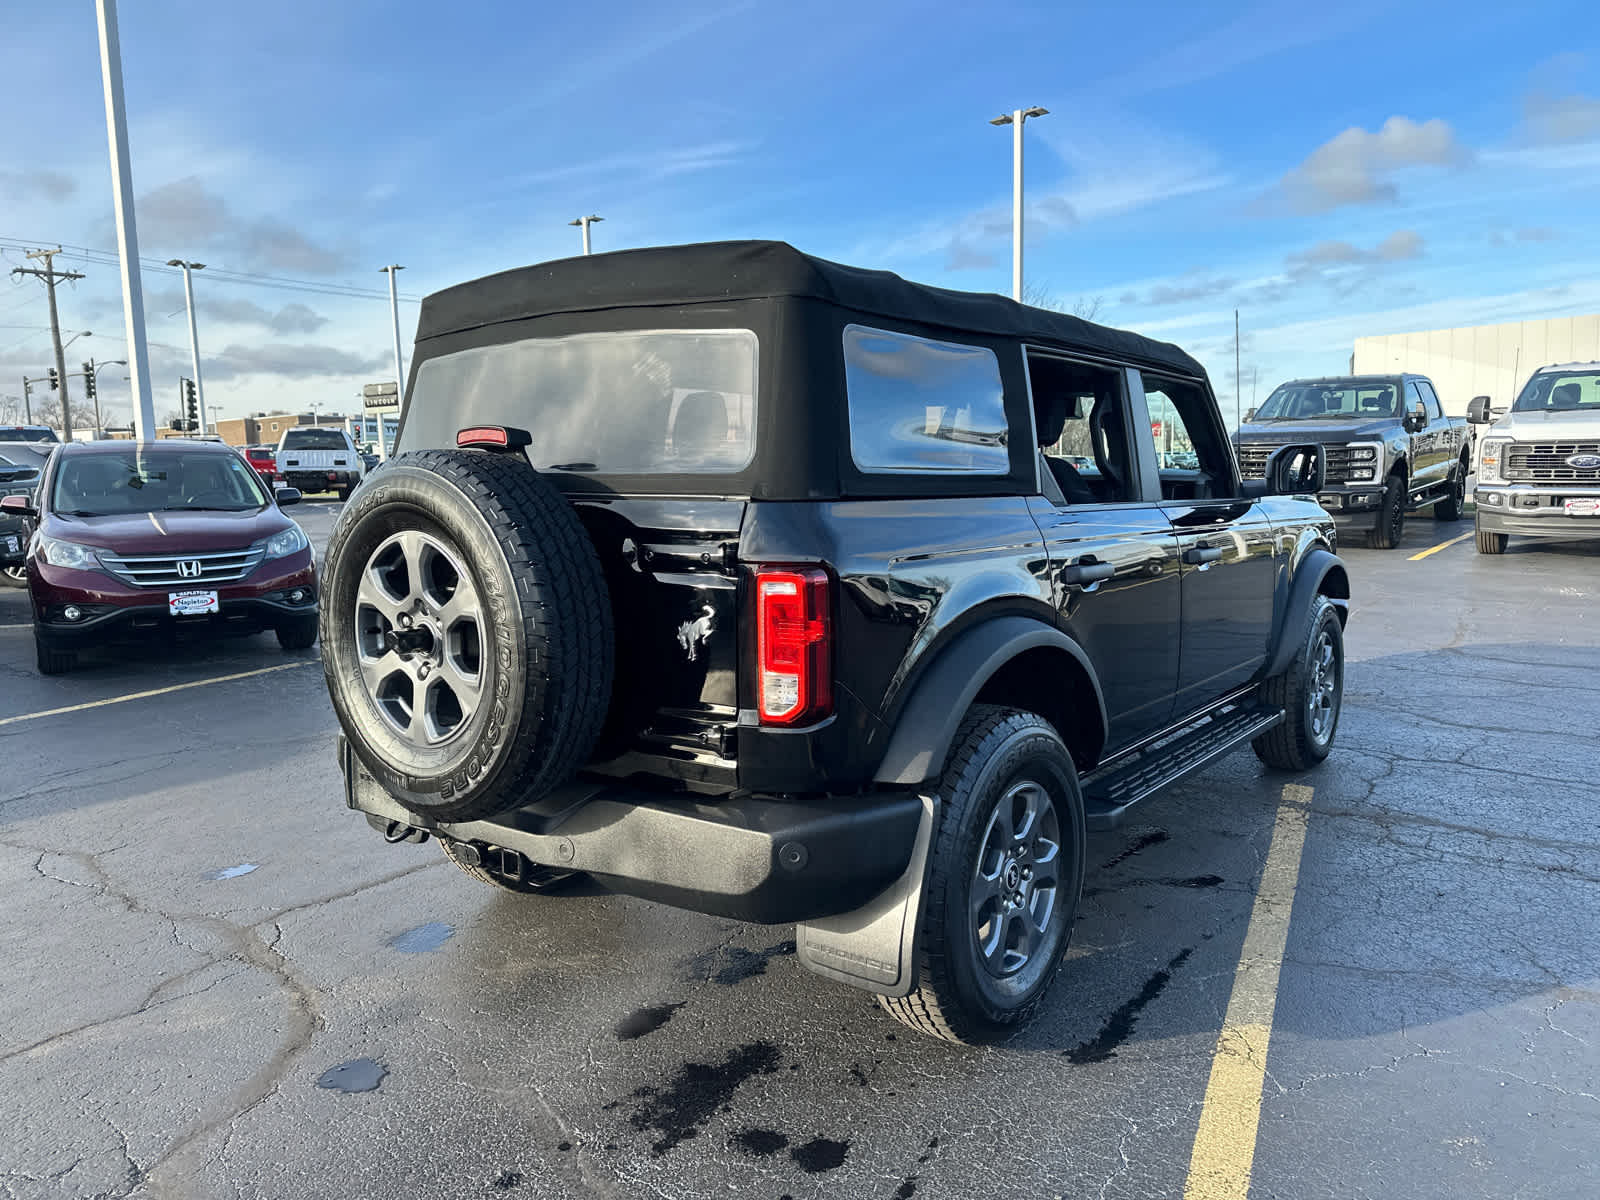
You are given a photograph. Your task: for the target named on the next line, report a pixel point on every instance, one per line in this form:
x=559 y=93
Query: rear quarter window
x=919 y=406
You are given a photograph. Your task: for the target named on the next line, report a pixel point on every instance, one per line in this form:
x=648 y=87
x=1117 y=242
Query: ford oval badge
x=1585 y=462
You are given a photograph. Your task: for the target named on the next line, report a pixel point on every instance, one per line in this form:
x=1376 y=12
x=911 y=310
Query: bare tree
x=49 y=413
x=10 y=409
x=1039 y=296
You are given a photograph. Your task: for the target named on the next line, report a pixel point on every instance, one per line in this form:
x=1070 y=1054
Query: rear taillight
x=794 y=644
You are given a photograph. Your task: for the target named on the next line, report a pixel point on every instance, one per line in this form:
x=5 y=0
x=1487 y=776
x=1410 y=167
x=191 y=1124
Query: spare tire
x=466 y=637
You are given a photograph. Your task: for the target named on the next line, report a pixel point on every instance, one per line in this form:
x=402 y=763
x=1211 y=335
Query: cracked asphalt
x=197 y=932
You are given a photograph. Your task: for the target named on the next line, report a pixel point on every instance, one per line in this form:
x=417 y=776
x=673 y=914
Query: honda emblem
x=189 y=568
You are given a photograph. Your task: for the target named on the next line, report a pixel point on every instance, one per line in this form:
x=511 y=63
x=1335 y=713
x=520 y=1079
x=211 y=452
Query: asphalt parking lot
x=198 y=933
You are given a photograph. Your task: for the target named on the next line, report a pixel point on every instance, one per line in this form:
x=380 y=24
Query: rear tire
x=1386 y=534
x=1492 y=543
x=299 y=634
x=1449 y=509
x=536 y=881
x=52 y=661
x=1011 y=824
x=1310 y=693
x=14 y=576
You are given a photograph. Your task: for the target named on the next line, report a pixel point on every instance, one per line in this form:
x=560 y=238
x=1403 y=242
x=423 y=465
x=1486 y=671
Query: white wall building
x=1481 y=360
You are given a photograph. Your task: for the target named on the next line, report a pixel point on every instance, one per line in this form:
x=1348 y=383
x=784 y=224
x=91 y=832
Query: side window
x=1081 y=418
x=1430 y=400
x=1191 y=454
x=920 y=406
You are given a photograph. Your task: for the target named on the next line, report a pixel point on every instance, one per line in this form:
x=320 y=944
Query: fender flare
x=1313 y=570
x=928 y=721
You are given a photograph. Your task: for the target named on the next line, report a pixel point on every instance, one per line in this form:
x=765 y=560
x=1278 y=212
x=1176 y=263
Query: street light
x=585 y=222
x=194 y=341
x=1015 y=119
x=76 y=336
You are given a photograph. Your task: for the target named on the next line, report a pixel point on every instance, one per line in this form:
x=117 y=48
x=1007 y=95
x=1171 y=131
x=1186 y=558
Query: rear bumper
x=752 y=858
x=319 y=481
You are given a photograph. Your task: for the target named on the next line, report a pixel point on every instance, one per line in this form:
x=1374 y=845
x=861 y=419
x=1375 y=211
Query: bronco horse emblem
x=694 y=633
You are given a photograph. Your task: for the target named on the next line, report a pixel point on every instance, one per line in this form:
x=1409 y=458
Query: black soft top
x=729 y=271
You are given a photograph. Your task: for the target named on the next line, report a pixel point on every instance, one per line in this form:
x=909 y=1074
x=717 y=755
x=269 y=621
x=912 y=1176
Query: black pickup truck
x=1390 y=448
x=785 y=591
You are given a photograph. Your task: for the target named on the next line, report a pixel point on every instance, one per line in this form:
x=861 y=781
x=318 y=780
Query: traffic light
x=55 y=380
x=191 y=406
x=88 y=381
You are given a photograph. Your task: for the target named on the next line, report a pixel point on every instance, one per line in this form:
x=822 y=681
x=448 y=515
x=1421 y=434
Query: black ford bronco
x=790 y=592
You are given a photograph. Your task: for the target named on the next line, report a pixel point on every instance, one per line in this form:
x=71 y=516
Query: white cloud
x=1353 y=167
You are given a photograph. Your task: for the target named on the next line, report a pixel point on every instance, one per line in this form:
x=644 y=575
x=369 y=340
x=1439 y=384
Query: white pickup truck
x=1539 y=464
x=320 y=460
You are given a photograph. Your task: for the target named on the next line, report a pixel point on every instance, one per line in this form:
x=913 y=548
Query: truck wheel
x=466 y=633
x=1492 y=543
x=1385 y=535
x=1310 y=693
x=1449 y=509
x=299 y=634
x=52 y=661
x=537 y=879
x=1004 y=878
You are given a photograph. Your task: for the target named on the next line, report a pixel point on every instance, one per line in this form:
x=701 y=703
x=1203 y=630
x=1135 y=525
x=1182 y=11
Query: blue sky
x=1362 y=169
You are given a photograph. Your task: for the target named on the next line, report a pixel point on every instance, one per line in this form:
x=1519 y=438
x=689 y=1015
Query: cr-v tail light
x=794 y=644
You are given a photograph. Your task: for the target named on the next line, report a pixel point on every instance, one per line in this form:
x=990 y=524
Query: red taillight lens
x=482 y=435
x=794 y=645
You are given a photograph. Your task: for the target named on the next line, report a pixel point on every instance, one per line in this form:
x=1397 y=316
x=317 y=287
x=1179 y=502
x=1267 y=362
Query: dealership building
x=1481 y=360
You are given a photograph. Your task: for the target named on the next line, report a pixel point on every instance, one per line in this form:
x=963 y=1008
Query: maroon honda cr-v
x=134 y=538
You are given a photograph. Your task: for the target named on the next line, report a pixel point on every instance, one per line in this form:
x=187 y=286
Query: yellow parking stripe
x=177 y=687
x=1225 y=1144
x=1439 y=547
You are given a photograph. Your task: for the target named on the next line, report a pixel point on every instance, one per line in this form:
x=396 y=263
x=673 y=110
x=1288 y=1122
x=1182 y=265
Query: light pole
x=399 y=374
x=194 y=340
x=1015 y=119
x=96 y=368
x=585 y=222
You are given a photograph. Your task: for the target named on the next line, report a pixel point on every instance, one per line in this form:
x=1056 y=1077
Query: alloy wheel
x=1013 y=891
x=1322 y=698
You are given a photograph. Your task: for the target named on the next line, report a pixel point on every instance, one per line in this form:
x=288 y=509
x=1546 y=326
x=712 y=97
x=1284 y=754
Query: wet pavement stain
x=645 y=1020
x=819 y=1155
x=682 y=1109
x=730 y=965
x=1119 y=1025
x=907 y=1188
x=232 y=872
x=506 y=1180
x=357 y=1075
x=423 y=938
x=1154 y=838
x=927 y=1156
x=1193 y=881
x=760 y=1143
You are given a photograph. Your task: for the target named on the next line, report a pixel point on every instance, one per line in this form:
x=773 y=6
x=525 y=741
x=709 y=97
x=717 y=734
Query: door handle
x=1200 y=554
x=1088 y=569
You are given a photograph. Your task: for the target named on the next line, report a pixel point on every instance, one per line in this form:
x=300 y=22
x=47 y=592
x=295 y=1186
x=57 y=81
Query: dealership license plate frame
x=1583 y=506
x=197 y=602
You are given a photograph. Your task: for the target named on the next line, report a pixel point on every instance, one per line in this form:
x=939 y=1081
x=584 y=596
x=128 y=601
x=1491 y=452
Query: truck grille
x=1546 y=462
x=1253 y=461
x=165 y=571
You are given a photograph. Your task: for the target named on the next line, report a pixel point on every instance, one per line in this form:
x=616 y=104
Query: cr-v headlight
x=68 y=554
x=1491 y=460
x=285 y=543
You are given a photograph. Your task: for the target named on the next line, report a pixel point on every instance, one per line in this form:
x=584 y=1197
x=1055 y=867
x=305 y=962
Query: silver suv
x=1539 y=464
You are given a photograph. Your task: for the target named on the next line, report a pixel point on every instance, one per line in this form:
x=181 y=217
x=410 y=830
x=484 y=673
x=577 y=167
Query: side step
x=1110 y=790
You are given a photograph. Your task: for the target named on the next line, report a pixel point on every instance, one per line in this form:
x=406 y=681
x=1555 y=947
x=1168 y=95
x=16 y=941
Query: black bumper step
x=1112 y=789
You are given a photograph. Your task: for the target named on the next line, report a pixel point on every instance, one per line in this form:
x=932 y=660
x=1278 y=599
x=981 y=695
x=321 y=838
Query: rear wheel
x=1385 y=535
x=14 y=576
x=1492 y=543
x=1004 y=879
x=52 y=661
x=1310 y=692
x=535 y=879
x=1449 y=509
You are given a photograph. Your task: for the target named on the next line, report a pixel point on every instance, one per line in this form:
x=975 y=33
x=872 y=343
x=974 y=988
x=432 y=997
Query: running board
x=1111 y=790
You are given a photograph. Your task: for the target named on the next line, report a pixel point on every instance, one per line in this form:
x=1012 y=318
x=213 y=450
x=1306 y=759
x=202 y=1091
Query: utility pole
x=399 y=374
x=585 y=222
x=144 y=417
x=194 y=340
x=27 y=403
x=1015 y=119
x=50 y=275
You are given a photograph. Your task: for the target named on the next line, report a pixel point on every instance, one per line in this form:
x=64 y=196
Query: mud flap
x=875 y=947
